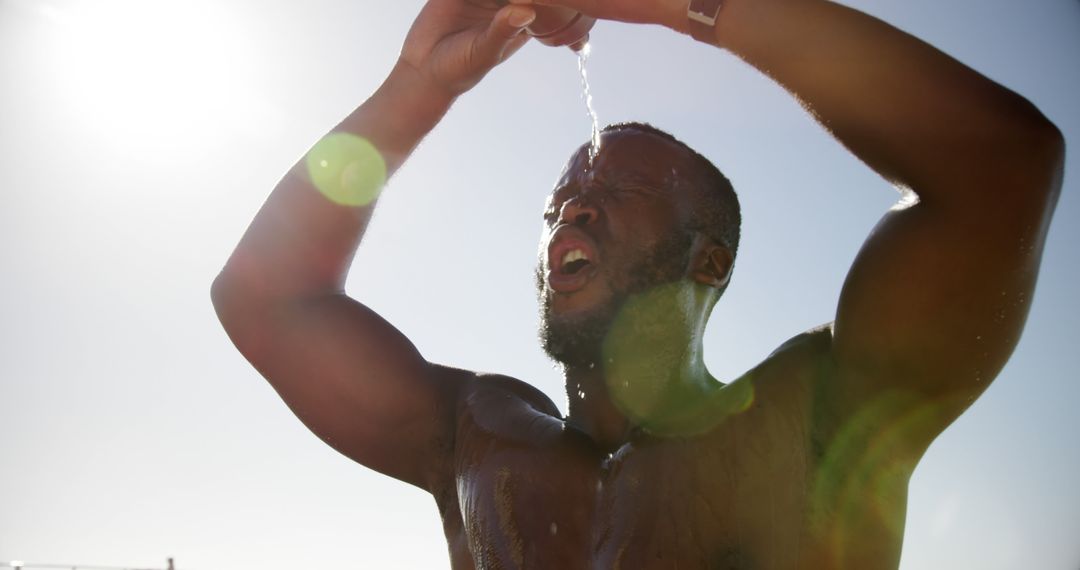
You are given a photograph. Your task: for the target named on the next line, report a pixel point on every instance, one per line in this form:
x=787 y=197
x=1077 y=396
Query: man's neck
x=650 y=373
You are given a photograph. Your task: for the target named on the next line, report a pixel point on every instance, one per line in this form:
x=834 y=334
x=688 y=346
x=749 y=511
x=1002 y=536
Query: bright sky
x=138 y=138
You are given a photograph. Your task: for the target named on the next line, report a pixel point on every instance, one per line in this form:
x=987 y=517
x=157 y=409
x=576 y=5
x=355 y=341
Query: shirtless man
x=804 y=461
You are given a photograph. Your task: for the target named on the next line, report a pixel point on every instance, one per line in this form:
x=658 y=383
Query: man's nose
x=578 y=211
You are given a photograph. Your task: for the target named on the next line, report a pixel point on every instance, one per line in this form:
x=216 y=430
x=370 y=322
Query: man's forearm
x=914 y=114
x=399 y=114
x=302 y=242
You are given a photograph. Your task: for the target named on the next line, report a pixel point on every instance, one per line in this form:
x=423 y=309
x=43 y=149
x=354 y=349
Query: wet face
x=610 y=231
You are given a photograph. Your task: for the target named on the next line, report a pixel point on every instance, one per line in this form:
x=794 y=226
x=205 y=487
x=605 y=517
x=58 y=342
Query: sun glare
x=135 y=71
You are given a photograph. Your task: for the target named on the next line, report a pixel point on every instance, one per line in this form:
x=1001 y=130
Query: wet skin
x=802 y=462
x=743 y=479
x=531 y=491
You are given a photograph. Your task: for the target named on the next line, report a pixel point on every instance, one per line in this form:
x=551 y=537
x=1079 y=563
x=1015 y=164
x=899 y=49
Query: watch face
x=702 y=15
x=706 y=8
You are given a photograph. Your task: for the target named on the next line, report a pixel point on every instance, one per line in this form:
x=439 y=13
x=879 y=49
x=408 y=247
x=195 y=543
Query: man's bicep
x=936 y=299
x=356 y=382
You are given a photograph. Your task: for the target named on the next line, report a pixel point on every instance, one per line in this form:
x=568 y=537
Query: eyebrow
x=613 y=180
x=638 y=179
x=559 y=192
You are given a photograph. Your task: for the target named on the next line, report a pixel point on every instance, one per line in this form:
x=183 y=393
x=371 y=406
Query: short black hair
x=719 y=216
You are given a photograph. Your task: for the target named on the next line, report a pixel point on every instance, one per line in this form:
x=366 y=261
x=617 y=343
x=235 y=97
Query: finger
x=504 y=34
x=632 y=11
x=514 y=45
x=584 y=6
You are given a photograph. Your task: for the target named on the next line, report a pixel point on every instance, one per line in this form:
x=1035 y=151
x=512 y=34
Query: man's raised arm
x=349 y=375
x=937 y=298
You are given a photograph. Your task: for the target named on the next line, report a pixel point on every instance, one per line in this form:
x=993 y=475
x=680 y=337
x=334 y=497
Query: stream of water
x=583 y=60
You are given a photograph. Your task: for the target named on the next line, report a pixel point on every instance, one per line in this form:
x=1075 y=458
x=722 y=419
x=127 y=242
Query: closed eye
x=619 y=193
x=638 y=189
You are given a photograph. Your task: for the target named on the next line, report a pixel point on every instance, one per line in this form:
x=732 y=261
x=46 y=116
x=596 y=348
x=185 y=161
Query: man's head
x=647 y=212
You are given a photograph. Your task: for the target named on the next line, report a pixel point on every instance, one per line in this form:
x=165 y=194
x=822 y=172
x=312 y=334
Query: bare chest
x=733 y=499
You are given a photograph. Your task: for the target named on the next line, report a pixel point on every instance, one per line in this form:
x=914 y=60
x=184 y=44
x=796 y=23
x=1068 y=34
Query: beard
x=577 y=340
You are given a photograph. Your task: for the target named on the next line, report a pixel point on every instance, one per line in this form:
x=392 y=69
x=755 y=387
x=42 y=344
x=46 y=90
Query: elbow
x=232 y=299
x=1049 y=144
x=1047 y=152
x=1031 y=163
x=1037 y=173
x=1055 y=143
x=1038 y=144
x=218 y=294
x=241 y=283
x=240 y=316
x=222 y=295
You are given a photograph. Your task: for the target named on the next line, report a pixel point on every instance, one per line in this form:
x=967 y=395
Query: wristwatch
x=703 y=15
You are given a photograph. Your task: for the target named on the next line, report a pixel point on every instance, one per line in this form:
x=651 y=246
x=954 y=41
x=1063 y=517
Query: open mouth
x=572 y=260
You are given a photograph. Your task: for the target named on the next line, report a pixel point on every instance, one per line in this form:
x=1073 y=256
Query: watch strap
x=702 y=15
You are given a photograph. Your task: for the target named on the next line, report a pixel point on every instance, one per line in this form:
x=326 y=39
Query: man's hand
x=453 y=44
x=668 y=13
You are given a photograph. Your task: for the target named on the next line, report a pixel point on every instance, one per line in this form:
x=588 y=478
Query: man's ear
x=710 y=262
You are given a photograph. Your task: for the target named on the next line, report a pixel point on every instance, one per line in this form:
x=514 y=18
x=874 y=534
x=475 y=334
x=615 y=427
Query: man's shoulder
x=484 y=385
x=793 y=372
x=806 y=356
x=813 y=343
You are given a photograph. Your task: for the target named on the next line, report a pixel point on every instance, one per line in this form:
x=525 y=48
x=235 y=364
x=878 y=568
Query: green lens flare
x=862 y=479
x=643 y=355
x=347 y=169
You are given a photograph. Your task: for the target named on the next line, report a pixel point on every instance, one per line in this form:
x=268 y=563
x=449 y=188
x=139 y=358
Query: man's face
x=612 y=230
